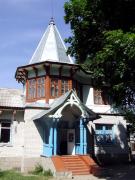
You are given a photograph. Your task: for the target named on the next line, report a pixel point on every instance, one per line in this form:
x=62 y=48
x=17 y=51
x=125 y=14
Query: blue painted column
x=81 y=136
x=55 y=136
x=84 y=138
x=50 y=153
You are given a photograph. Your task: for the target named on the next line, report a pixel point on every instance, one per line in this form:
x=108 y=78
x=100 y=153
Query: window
x=101 y=97
x=41 y=87
x=104 y=134
x=5 y=131
x=97 y=97
x=64 y=86
x=36 y=88
x=32 y=89
x=54 y=88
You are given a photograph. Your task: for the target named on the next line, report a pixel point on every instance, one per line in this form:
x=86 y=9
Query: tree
x=114 y=64
x=103 y=41
x=89 y=18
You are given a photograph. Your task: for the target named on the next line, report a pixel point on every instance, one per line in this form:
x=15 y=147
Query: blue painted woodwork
x=51 y=146
x=55 y=136
x=81 y=144
x=77 y=148
x=81 y=136
x=48 y=140
x=85 y=140
x=104 y=134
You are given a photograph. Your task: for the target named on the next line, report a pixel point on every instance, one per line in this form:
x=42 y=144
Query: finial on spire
x=52 y=21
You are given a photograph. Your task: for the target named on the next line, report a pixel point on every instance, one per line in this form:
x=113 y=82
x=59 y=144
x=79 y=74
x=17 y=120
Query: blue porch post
x=48 y=139
x=55 y=136
x=51 y=141
x=81 y=136
x=84 y=138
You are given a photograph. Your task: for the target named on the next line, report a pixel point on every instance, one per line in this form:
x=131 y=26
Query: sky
x=22 y=24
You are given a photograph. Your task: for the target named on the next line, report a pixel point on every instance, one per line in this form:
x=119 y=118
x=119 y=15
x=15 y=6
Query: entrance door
x=71 y=141
x=62 y=141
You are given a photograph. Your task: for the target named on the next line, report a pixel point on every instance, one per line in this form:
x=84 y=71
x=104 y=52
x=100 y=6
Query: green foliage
x=130 y=117
x=47 y=173
x=115 y=64
x=12 y=175
x=40 y=171
x=103 y=41
x=89 y=18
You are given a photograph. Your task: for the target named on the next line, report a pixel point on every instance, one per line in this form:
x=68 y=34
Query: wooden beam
x=35 y=70
x=47 y=83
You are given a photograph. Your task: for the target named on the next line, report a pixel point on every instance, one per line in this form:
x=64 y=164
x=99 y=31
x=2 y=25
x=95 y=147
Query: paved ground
x=117 y=172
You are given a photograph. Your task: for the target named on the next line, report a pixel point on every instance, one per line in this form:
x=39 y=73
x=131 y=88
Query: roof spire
x=52 y=9
x=52 y=21
x=51 y=47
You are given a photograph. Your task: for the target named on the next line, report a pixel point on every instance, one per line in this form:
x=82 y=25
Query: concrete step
x=78 y=164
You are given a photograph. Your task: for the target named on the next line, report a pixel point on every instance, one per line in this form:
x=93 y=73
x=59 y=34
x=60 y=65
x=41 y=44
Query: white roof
x=11 y=98
x=51 y=47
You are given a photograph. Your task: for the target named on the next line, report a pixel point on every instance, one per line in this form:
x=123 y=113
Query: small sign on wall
x=70 y=137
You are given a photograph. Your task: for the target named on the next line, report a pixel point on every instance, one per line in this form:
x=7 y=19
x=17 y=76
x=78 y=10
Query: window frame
x=104 y=132
x=36 y=96
x=28 y=87
x=41 y=85
x=69 y=83
x=105 y=100
x=10 y=133
x=60 y=85
x=54 y=81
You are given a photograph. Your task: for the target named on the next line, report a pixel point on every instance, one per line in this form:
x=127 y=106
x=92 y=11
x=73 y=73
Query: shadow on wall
x=115 y=152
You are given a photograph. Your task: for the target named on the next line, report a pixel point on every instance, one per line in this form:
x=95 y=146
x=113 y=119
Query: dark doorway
x=63 y=141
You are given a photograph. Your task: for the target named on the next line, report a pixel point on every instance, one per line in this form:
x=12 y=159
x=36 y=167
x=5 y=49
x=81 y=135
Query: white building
x=59 y=113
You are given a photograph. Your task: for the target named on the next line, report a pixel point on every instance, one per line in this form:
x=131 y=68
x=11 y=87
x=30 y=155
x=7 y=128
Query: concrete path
x=114 y=172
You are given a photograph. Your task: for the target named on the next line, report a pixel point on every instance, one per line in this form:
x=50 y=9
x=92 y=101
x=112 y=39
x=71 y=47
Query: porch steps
x=77 y=165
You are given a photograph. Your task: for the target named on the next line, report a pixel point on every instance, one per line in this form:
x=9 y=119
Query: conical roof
x=51 y=47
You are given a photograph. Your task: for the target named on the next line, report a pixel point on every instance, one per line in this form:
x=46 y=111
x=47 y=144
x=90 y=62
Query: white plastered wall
x=33 y=143
x=88 y=100
x=120 y=145
x=14 y=148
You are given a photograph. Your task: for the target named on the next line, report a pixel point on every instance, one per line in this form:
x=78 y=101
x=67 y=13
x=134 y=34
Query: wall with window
x=104 y=134
x=94 y=100
x=11 y=133
x=111 y=137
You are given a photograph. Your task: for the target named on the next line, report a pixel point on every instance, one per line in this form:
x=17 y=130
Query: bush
x=40 y=171
x=47 y=173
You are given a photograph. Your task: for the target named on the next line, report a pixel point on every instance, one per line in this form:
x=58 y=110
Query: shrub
x=40 y=171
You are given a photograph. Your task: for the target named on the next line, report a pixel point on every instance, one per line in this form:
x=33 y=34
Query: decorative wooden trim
x=10 y=108
x=27 y=89
x=47 y=83
x=59 y=87
x=70 y=84
x=60 y=71
x=37 y=77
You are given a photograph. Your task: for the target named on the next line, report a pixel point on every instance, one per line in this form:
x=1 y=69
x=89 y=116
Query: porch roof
x=58 y=102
